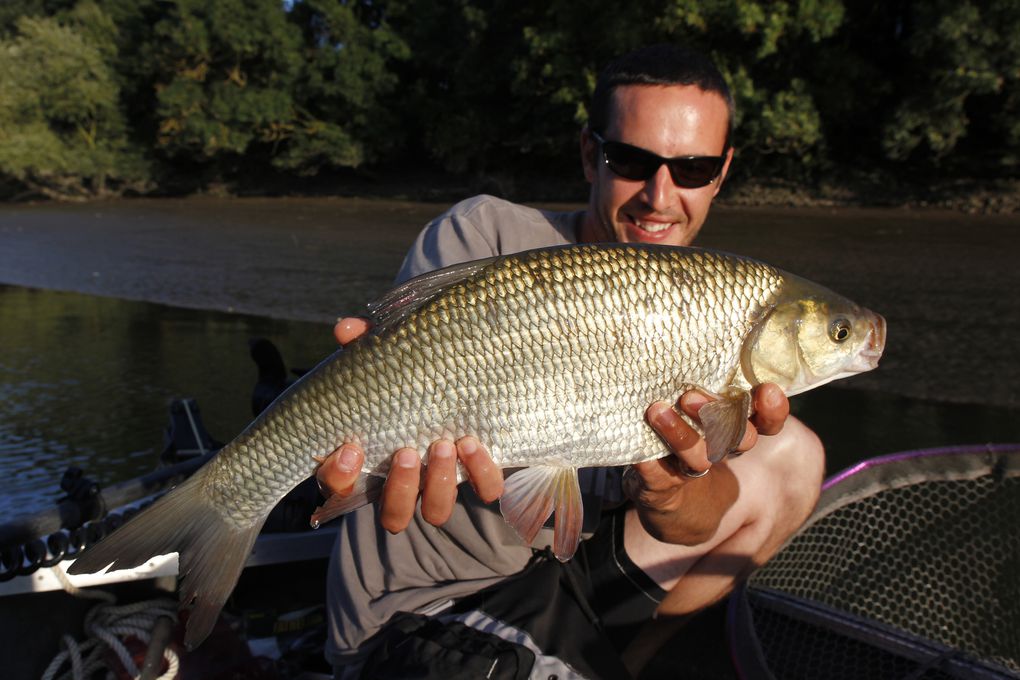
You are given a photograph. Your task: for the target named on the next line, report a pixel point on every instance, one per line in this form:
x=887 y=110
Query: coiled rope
x=103 y=624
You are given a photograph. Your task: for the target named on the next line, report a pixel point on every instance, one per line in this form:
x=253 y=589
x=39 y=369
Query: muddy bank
x=975 y=196
x=969 y=196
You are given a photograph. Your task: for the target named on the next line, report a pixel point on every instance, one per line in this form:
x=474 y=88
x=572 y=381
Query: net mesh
x=918 y=552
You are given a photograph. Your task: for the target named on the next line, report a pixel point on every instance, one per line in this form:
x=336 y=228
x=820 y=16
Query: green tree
x=61 y=130
x=13 y=10
x=296 y=89
x=959 y=76
x=224 y=74
x=343 y=119
x=511 y=91
x=454 y=96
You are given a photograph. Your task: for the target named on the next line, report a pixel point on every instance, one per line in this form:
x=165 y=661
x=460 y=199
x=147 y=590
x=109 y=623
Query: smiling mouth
x=650 y=227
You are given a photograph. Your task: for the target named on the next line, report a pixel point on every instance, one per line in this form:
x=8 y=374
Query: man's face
x=668 y=120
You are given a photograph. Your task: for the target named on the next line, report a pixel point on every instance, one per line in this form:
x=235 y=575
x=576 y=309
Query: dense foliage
x=101 y=96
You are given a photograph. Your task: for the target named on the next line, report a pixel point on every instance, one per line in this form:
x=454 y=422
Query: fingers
x=655 y=484
x=681 y=438
x=486 y=477
x=339 y=471
x=771 y=408
x=439 y=486
x=400 y=493
x=440 y=492
x=350 y=328
x=440 y=489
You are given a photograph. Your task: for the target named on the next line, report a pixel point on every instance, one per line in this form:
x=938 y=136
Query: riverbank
x=845 y=190
x=970 y=196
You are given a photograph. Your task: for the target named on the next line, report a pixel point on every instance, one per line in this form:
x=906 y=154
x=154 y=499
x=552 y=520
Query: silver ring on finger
x=691 y=474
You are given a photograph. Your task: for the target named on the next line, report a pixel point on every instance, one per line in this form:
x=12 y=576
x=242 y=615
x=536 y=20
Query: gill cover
x=811 y=336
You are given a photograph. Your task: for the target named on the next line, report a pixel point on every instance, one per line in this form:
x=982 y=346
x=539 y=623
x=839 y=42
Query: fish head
x=811 y=336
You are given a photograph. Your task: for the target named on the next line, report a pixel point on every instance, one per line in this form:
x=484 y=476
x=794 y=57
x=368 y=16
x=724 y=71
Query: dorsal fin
x=397 y=304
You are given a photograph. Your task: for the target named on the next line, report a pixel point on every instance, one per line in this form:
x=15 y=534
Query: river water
x=108 y=311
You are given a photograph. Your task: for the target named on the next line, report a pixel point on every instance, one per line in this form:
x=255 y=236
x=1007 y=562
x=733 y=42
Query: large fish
x=549 y=357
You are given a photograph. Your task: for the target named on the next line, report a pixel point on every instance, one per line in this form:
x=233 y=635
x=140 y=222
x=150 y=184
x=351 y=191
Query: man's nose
x=659 y=189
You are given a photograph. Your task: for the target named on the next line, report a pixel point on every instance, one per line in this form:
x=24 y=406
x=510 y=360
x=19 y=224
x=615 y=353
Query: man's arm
x=779 y=483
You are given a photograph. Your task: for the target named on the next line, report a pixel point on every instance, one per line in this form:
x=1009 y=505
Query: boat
x=909 y=567
x=273 y=626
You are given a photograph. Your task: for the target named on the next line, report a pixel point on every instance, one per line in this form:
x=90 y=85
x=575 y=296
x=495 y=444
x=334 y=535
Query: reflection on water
x=86 y=381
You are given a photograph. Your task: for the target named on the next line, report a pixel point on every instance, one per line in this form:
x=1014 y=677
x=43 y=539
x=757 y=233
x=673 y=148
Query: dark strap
x=415 y=647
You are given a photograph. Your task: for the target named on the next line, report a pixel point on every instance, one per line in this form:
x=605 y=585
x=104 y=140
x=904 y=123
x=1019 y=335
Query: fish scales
x=548 y=357
x=649 y=331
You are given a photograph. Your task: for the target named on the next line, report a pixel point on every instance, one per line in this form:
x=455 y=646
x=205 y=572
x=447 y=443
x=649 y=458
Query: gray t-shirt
x=374 y=574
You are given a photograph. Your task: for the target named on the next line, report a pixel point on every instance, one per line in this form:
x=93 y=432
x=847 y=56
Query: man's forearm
x=692 y=514
x=664 y=540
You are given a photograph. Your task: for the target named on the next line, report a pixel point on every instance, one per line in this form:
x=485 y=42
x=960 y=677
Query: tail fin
x=212 y=551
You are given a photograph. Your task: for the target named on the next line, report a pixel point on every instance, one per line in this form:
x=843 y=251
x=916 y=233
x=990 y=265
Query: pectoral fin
x=366 y=489
x=532 y=494
x=724 y=422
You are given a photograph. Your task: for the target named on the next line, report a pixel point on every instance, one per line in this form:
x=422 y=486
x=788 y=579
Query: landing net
x=909 y=568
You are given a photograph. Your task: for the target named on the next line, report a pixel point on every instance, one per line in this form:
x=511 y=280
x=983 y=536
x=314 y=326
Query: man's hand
x=659 y=488
x=400 y=494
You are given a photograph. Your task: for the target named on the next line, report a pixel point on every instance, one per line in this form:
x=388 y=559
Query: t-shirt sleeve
x=484 y=226
x=460 y=234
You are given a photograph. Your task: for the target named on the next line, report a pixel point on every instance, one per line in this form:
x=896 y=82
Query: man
x=655 y=152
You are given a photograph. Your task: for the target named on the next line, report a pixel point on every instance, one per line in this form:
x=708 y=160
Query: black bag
x=548 y=602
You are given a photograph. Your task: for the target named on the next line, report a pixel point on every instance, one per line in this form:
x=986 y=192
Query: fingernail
x=468 y=446
x=773 y=398
x=407 y=458
x=696 y=395
x=691 y=402
x=660 y=415
x=348 y=459
x=442 y=449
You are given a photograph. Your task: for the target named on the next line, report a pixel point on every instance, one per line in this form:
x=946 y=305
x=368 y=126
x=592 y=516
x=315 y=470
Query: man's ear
x=589 y=154
x=725 y=171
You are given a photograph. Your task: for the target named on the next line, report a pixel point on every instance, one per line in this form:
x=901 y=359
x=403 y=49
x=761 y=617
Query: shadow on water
x=860 y=424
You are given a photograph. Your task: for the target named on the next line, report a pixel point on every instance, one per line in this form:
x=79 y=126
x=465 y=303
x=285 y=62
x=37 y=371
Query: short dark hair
x=663 y=64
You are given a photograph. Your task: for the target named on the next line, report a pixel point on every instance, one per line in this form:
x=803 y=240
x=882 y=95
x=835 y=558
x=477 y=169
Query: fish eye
x=839 y=330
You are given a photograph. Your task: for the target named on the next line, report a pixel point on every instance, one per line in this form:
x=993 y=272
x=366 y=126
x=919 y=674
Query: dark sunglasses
x=635 y=163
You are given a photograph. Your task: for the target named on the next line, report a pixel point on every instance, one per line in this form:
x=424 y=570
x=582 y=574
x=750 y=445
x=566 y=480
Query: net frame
x=821 y=606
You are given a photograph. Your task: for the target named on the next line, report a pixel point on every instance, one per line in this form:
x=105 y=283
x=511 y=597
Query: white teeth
x=653 y=226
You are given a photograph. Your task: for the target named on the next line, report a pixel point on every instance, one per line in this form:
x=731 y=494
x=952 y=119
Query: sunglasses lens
x=630 y=162
x=692 y=173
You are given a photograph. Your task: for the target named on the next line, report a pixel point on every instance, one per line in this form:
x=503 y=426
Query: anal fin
x=532 y=494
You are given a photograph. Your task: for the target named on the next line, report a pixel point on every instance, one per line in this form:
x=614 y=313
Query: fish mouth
x=871 y=350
